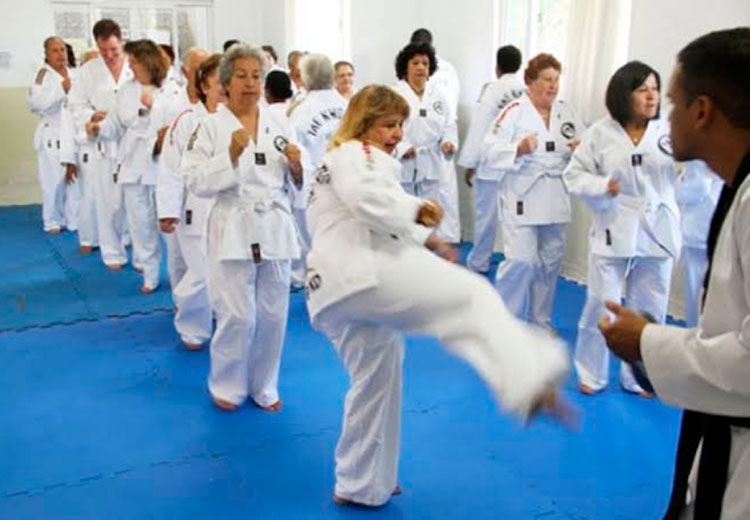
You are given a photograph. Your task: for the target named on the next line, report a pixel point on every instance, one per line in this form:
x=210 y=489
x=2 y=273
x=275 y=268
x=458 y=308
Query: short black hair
x=411 y=50
x=169 y=51
x=508 y=58
x=229 y=43
x=278 y=85
x=621 y=85
x=71 y=55
x=421 y=35
x=270 y=50
x=717 y=65
x=105 y=28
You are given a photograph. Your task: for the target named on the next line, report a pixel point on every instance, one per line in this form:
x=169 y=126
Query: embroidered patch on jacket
x=193 y=138
x=502 y=115
x=438 y=107
x=568 y=130
x=280 y=143
x=322 y=176
x=665 y=145
x=40 y=76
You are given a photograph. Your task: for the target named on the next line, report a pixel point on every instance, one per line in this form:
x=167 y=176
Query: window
x=536 y=26
x=321 y=26
x=180 y=24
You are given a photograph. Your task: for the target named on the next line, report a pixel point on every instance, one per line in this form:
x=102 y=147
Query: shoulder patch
x=193 y=137
x=40 y=76
x=504 y=113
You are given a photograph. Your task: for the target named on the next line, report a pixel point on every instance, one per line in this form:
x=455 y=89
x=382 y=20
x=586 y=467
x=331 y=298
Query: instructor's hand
x=623 y=335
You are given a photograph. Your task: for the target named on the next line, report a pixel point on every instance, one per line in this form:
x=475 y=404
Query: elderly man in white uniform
x=93 y=95
x=705 y=370
x=46 y=98
x=624 y=171
x=446 y=80
x=528 y=147
x=697 y=191
x=184 y=215
x=371 y=279
x=313 y=122
x=242 y=156
x=494 y=98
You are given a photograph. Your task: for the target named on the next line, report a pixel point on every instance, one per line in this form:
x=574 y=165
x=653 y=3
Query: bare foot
x=54 y=231
x=86 y=250
x=225 y=405
x=275 y=407
x=552 y=405
x=586 y=389
x=114 y=267
x=346 y=502
x=147 y=290
x=192 y=346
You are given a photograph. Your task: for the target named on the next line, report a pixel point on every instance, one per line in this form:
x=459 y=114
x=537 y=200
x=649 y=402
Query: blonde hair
x=365 y=108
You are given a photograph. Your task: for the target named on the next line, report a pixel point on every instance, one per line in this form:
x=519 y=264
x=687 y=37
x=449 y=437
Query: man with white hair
x=46 y=98
x=313 y=122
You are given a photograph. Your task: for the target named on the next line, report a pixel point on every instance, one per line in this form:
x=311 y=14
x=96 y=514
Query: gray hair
x=317 y=72
x=235 y=52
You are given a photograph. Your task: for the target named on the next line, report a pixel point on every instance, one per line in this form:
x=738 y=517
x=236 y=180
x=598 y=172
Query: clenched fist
x=430 y=214
x=527 y=145
x=147 y=99
x=448 y=148
x=240 y=140
x=294 y=158
x=98 y=116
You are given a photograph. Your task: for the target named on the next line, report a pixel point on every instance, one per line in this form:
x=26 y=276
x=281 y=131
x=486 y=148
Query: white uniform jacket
x=135 y=126
x=314 y=121
x=251 y=198
x=173 y=200
x=356 y=193
x=643 y=220
x=532 y=191
x=95 y=89
x=46 y=98
x=431 y=123
x=697 y=191
x=446 y=80
x=494 y=98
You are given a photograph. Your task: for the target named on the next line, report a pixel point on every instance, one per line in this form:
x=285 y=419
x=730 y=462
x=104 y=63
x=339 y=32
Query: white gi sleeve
x=68 y=147
x=694 y=370
x=170 y=184
x=581 y=178
x=45 y=93
x=208 y=169
x=499 y=147
x=471 y=152
x=375 y=197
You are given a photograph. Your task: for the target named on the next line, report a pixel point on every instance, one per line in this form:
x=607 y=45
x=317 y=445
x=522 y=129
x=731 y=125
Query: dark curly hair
x=411 y=50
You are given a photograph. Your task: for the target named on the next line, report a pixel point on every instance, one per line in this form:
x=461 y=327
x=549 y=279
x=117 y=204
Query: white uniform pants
x=110 y=214
x=423 y=294
x=140 y=208
x=450 y=227
x=52 y=182
x=72 y=205
x=425 y=189
x=193 y=320
x=176 y=266
x=299 y=265
x=88 y=234
x=527 y=277
x=485 y=225
x=251 y=302
x=694 y=263
x=644 y=284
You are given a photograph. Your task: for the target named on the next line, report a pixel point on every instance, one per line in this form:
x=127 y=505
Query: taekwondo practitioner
x=623 y=170
x=527 y=147
x=430 y=134
x=143 y=111
x=697 y=191
x=185 y=98
x=344 y=80
x=371 y=278
x=46 y=99
x=313 y=122
x=92 y=96
x=277 y=92
x=185 y=215
x=243 y=158
x=705 y=370
x=494 y=98
x=445 y=79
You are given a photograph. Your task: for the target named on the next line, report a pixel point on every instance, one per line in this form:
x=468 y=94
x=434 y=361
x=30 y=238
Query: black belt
x=713 y=467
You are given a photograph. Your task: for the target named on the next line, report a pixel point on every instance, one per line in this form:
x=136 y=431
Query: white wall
x=241 y=20
x=22 y=33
